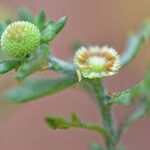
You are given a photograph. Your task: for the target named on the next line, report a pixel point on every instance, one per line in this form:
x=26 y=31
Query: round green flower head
x=96 y=62
x=20 y=39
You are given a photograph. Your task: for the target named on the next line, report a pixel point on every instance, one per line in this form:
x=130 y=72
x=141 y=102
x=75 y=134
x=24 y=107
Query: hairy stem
x=91 y=126
x=106 y=112
x=61 y=66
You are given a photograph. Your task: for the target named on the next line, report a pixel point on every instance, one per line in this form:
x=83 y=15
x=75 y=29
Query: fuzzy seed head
x=20 y=39
x=97 y=62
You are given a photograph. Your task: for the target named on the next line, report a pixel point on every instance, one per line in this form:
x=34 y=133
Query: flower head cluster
x=19 y=39
x=97 y=62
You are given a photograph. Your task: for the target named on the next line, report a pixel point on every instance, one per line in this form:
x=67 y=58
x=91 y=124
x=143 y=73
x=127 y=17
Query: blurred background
x=103 y=22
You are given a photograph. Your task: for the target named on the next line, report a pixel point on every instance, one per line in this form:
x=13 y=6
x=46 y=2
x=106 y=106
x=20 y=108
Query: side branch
x=61 y=66
x=56 y=122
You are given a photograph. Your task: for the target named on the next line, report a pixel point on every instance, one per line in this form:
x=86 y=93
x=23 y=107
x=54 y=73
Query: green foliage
x=40 y=20
x=126 y=97
x=135 y=42
x=36 y=88
x=43 y=59
x=40 y=59
x=34 y=63
x=137 y=91
x=140 y=91
x=121 y=148
x=52 y=30
x=28 y=65
x=94 y=146
x=25 y=15
x=3 y=25
x=48 y=30
x=8 y=65
x=56 y=122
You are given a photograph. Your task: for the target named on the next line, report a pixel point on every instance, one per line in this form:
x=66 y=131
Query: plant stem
x=108 y=121
x=90 y=126
x=61 y=66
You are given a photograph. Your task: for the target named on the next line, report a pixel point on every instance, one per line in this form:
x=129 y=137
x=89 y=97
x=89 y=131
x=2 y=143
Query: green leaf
x=126 y=97
x=56 y=122
x=137 y=91
x=143 y=108
x=94 y=146
x=40 y=20
x=121 y=148
x=135 y=42
x=8 y=65
x=60 y=24
x=48 y=34
x=25 y=15
x=52 y=30
x=36 y=88
x=75 y=119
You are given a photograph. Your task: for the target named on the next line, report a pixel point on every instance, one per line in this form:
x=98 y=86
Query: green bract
x=20 y=39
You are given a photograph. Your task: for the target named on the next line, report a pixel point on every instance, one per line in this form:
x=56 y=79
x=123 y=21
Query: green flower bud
x=20 y=39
